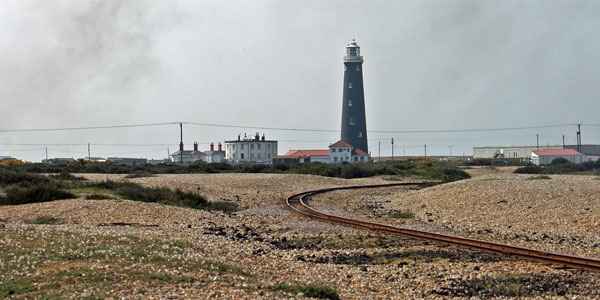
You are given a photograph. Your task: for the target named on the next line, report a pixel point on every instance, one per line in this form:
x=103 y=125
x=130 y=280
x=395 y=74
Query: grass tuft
x=310 y=291
x=541 y=177
x=402 y=215
x=45 y=220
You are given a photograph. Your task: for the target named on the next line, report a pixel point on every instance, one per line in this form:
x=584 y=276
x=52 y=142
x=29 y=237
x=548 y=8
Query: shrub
x=402 y=215
x=8 y=177
x=559 y=161
x=34 y=194
x=66 y=176
x=311 y=291
x=532 y=169
x=541 y=177
x=139 y=175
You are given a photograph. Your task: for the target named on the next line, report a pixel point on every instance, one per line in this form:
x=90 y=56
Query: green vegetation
x=98 y=197
x=562 y=166
x=402 y=215
x=38 y=193
x=44 y=220
x=311 y=291
x=22 y=188
x=541 y=177
x=426 y=168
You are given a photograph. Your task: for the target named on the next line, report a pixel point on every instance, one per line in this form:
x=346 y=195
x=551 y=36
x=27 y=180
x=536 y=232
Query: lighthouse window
x=351 y=120
x=349 y=102
x=350 y=85
x=360 y=134
x=357 y=68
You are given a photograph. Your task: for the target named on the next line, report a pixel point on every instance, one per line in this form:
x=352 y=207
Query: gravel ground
x=247 y=254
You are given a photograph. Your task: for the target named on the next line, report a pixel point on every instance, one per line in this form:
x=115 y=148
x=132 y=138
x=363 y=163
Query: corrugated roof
x=340 y=143
x=556 y=152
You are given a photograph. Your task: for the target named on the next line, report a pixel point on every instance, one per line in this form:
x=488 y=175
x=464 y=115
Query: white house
x=341 y=151
x=546 y=156
x=251 y=149
x=189 y=156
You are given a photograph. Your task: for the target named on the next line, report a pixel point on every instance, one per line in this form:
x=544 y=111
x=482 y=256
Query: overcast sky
x=429 y=65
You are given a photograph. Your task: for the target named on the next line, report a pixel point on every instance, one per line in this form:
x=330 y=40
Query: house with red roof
x=546 y=156
x=302 y=156
x=341 y=151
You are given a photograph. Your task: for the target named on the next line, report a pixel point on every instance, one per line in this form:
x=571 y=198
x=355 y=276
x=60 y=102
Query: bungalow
x=341 y=151
x=546 y=156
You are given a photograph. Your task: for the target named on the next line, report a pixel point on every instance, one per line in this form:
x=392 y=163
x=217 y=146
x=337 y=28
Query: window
x=242 y=146
x=332 y=149
x=335 y=158
x=349 y=85
x=357 y=68
x=349 y=102
x=360 y=134
x=269 y=146
x=258 y=156
x=233 y=146
x=351 y=121
x=258 y=146
x=242 y=155
x=252 y=146
x=356 y=158
x=362 y=158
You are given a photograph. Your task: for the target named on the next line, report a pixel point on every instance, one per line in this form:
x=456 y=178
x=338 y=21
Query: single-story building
x=303 y=156
x=546 y=156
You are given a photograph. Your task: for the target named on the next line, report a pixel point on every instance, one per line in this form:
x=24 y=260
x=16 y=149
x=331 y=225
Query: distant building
x=302 y=156
x=524 y=152
x=546 y=156
x=341 y=151
x=190 y=156
x=58 y=160
x=128 y=161
x=95 y=159
x=252 y=149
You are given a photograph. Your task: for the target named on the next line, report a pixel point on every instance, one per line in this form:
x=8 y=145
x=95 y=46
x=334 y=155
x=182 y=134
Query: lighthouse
x=354 y=122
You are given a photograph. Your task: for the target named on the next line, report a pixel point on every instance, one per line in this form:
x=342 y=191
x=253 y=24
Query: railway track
x=297 y=203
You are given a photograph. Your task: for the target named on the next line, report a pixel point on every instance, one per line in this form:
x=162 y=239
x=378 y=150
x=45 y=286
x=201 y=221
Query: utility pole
x=89 y=155
x=168 y=154
x=537 y=139
x=450 y=150
x=579 y=138
x=181 y=143
x=425 y=150
x=563 y=141
x=379 y=151
x=392 y=148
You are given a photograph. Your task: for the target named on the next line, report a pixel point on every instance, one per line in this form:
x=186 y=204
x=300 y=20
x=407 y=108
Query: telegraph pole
x=379 y=151
x=537 y=139
x=579 y=138
x=89 y=155
x=450 y=150
x=181 y=143
x=563 y=141
x=392 y=148
x=425 y=150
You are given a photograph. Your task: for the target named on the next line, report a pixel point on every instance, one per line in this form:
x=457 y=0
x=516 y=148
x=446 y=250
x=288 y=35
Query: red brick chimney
x=212 y=147
x=220 y=147
x=181 y=146
x=195 y=146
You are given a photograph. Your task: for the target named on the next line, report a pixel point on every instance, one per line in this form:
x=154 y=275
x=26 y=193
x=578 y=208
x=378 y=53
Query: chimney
x=195 y=146
x=239 y=136
x=212 y=147
x=220 y=147
x=257 y=137
x=181 y=146
x=263 y=137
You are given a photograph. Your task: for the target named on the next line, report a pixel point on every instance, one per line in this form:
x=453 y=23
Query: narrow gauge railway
x=297 y=203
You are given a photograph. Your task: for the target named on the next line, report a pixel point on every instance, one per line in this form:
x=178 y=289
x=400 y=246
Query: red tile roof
x=340 y=143
x=556 y=152
x=306 y=153
x=359 y=152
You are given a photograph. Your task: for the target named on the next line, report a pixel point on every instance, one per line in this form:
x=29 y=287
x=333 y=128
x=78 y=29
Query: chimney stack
x=263 y=137
x=181 y=146
x=220 y=147
x=195 y=146
x=212 y=147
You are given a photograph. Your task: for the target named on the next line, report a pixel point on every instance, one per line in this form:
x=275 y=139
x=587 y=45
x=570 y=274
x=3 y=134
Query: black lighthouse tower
x=354 y=122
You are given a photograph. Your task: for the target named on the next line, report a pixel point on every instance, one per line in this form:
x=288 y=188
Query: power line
x=284 y=128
